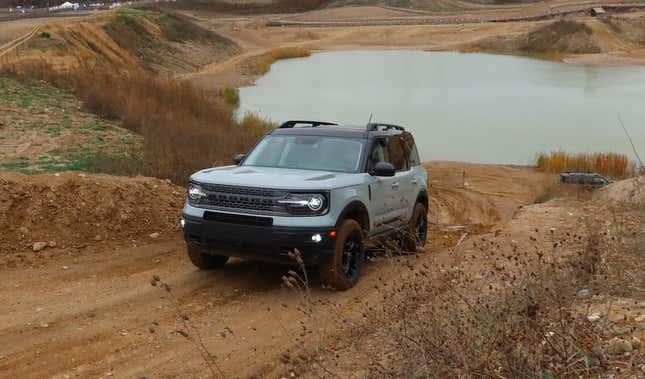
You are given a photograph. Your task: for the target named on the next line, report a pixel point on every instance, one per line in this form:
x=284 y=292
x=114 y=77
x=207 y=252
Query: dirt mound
x=627 y=191
x=562 y=36
x=71 y=210
x=559 y=37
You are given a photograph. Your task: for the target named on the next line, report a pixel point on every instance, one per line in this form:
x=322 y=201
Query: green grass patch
x=52 y=131
x=45 y=35
x=15 y=165
x=94 y=126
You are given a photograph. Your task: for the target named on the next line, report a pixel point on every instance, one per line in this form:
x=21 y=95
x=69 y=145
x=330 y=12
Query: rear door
x=402 y=185
x=418 y=176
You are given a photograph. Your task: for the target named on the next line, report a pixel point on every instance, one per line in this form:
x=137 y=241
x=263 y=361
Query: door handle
x=395 y=185
x=414 y=181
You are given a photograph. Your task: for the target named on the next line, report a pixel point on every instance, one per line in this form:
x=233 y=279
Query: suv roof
x=324 y=128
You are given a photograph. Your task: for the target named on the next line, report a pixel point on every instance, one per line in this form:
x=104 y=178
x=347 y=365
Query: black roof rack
x=372 y=126
x=313 y=124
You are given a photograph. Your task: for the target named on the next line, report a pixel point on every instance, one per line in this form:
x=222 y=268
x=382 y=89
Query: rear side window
x=398 y=155
x=414 y=156
x=411 y=149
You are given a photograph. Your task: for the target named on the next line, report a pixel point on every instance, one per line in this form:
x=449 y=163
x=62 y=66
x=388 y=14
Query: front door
x=385 y=192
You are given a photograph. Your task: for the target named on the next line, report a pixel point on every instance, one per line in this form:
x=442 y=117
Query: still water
x=466 y=107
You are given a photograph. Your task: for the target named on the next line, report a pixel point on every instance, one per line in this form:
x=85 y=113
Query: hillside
x=128 y=38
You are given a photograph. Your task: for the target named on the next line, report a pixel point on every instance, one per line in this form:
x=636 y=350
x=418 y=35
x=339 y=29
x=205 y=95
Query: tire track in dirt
x=10 y=46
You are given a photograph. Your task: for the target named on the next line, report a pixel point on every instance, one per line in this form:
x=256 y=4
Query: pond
x=463 y=107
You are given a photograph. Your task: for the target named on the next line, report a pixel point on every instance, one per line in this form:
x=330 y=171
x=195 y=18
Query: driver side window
x=379 y=154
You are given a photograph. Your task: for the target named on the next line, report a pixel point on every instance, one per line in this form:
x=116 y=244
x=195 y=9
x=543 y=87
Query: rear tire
x=416 y=234
x=343 y=268
x=202 y=259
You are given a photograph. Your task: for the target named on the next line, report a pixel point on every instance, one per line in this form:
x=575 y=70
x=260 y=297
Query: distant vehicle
x=322 y=188
x=585 y=179
x=598 y=12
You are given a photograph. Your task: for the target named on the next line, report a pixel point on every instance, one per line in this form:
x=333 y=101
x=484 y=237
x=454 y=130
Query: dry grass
x=184 y=128
x=611 y=165
x=509 y=314
x=231 y=96
x=264 y=62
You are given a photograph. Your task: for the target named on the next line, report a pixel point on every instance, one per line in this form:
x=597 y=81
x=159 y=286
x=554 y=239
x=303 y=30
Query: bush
x=45 y=35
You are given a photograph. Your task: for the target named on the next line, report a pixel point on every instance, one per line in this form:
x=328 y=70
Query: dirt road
x=92 y=312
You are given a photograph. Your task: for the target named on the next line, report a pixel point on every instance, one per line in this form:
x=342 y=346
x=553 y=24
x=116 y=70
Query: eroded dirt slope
x=127 y=39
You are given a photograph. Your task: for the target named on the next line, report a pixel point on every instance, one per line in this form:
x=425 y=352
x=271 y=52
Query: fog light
x=182 y=223
x=316 y=238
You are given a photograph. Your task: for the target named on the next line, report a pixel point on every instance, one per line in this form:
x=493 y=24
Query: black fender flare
x=355 y=210
x=423 y=198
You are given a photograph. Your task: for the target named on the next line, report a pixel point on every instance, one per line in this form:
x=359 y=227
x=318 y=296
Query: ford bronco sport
x=322 y=188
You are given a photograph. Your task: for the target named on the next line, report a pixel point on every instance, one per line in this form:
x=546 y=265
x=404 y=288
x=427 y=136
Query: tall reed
x=613 y=165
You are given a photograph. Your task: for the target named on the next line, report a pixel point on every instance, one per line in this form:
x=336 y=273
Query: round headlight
x=316 y=203
x=195 y=192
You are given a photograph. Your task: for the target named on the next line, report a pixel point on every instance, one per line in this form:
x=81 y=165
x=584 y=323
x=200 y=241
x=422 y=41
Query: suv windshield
x=307 y=153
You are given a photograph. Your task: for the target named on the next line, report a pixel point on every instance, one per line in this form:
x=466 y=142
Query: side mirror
x=384 y=169
x=239 y=158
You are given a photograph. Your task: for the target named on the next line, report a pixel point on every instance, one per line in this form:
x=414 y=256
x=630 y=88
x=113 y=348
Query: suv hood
x=278 y=178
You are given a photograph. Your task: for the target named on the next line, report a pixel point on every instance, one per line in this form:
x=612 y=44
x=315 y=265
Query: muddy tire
x=417 y=234
x=342 y=269
x=203 y=260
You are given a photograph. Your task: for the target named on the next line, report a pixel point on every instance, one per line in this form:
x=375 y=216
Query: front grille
x=250 y=191
x=238 y=219
x=245 y=198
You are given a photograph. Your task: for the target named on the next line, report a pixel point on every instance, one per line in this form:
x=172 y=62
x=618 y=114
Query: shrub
x=45 y=35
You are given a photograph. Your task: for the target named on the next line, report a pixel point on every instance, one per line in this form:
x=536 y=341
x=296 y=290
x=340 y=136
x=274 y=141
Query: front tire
x=202 y=259
x=343 y=268
x=416 y=235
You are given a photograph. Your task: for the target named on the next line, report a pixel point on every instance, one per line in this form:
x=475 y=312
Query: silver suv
x=322 y=188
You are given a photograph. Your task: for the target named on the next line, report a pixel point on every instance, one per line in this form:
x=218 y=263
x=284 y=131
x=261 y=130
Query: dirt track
x=87 y=313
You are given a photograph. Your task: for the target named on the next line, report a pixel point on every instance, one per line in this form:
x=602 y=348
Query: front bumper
x=270 y=243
